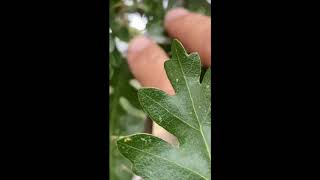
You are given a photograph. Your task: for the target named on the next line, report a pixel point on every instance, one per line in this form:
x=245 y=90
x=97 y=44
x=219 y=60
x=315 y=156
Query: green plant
x=187 y=115
x=126 y=115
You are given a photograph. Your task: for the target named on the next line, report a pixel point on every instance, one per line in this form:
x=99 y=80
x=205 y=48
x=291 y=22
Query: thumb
x=193 y=30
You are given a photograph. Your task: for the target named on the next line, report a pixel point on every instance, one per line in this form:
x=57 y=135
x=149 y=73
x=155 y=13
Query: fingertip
x=175 y=14
x=193 y=30
x=137 y=45
x=145 y=60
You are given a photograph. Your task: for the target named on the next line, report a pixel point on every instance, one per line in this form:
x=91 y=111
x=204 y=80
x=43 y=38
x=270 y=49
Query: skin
x=146 y=58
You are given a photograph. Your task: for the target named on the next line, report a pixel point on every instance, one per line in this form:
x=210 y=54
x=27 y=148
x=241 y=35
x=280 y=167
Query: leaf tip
x=176 y=43
x=177 y=47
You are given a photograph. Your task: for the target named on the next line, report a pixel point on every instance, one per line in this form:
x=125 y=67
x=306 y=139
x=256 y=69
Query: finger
x=193 y=30
x=146 y=61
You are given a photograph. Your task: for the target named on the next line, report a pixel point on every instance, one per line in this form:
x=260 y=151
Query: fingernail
x=175 y=13
x=138 y=44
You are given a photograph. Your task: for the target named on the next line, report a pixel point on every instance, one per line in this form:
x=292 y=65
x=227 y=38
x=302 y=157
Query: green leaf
x=175 y=4
x=199 y=6
x=125 y=114
x=114 y=61
x=111 y=43
x=187 y=115
x=119 y=166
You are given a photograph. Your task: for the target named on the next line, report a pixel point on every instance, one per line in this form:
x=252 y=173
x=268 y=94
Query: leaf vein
x=159 y=157
x=171 y=113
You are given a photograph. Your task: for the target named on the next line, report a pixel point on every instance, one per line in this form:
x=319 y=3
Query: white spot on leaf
x=127 y=139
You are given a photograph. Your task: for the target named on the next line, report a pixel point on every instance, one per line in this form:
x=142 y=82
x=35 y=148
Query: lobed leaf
x=187 y=115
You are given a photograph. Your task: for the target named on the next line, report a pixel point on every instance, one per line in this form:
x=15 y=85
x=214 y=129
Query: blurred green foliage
x=125 y=114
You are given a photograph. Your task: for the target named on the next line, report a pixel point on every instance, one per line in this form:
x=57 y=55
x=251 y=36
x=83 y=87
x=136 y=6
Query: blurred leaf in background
x=125 y=113
x=127 y=19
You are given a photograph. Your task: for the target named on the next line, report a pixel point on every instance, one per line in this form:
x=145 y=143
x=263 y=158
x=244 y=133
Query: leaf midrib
x=192 y=103
x=159 y=157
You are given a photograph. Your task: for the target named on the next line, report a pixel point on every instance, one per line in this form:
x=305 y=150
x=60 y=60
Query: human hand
x=146 y=59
